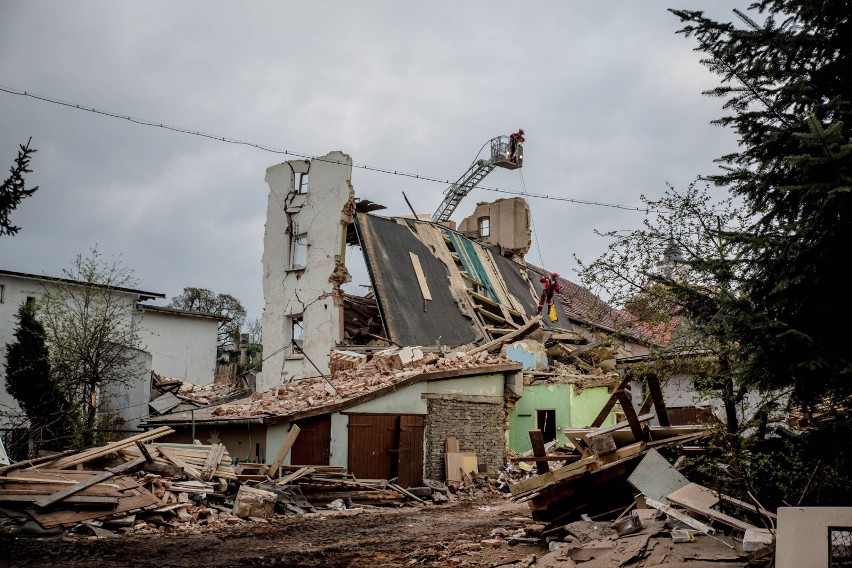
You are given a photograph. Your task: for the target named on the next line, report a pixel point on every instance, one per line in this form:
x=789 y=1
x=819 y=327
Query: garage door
x=384 y=446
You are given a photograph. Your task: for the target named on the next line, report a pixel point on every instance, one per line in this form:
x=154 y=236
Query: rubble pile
x=139 y=486
x=353 y=376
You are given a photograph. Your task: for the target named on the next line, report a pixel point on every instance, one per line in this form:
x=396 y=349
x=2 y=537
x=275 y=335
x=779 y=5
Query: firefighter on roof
x=551 y=285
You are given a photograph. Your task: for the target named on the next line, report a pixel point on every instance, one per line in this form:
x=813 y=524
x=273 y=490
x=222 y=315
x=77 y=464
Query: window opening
x=299 y=251
x=2 y=291
x=484 y=226
x=301 y=182
x=297 y=329
x=546 y=422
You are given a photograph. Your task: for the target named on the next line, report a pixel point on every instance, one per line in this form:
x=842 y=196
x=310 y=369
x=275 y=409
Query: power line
x=271 y=149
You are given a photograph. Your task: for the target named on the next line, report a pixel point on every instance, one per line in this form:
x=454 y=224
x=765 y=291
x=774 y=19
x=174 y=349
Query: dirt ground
x=434 y=535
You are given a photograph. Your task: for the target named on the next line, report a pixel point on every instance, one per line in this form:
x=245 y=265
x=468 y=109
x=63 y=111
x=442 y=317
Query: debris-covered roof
x=434 y=286
x=354 y=380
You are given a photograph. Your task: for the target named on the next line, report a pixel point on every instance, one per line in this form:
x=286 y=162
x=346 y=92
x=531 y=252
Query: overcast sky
x=609 y=97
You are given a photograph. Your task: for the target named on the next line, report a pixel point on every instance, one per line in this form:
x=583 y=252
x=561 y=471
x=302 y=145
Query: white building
x=174 y=343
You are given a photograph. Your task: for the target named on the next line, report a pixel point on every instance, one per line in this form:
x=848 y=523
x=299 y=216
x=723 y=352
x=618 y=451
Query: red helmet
x=554 y=276
x=520 y=130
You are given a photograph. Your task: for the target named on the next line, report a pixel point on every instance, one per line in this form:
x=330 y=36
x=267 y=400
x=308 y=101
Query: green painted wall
x=572 y=411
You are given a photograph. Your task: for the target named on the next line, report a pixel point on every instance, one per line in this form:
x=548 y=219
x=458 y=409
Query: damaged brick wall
x=476 y=421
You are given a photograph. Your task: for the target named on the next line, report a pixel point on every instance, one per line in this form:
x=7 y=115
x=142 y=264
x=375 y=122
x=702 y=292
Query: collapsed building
x=446 y=342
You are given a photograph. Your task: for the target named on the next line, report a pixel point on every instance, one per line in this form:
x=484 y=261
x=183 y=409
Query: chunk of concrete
x=251 y=502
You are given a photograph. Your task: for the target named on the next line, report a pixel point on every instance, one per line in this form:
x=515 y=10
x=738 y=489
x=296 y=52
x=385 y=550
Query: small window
x=299 y=251
x=30 y=300
x=2 y=292
x=301 y=182
x=297 y=331
x=546 y=422
x=484 y=226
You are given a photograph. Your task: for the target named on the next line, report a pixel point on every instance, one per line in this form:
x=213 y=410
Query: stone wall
x=478 y=422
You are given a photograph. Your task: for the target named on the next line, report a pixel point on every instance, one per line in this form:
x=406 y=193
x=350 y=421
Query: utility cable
x=271 y=149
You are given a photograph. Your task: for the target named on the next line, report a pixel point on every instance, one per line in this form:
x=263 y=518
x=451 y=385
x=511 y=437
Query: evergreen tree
x=14 y=189
x=29 y=381
x=787 y=83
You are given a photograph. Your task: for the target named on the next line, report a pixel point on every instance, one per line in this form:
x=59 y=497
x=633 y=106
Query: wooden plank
x=90 y=501
x=695 y=501
x=102 y=476
x=283 y=451
x=421 y=278
x=144 y=451
x=537 y=441
x=748 y=506
x=211 y=464
x=172 y=456
x=633 y=420
x=547 y=458
x=35 y=461
x=508 y=337
x=131 y=497
x=693 y=494
x=615 y=427
x=290 y=477
x=559 y=474
x=656 y=394
x=685 y=519
x=404 y=492
x=610 y=403
x=101 y=451
x=453 y=465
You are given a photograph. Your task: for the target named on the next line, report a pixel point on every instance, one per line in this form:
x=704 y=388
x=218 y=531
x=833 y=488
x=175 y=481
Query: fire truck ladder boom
x=500 y=156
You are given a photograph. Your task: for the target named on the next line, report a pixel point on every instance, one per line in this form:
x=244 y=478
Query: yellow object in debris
x=553 y=316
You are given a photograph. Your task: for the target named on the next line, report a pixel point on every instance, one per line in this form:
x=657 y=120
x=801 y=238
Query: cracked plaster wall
x=322 y=212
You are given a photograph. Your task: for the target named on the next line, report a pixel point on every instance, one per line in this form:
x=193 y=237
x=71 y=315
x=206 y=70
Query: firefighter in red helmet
x=515 y=139
x=551 y=285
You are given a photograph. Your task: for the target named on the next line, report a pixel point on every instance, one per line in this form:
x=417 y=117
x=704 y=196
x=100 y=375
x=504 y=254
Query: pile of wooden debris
x=142 y=486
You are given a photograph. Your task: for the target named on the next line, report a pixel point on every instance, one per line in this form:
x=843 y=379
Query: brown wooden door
x=373 y=445
x=313 y=445
x=410 y=457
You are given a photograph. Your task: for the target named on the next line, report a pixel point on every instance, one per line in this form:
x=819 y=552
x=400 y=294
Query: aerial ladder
x=506 y=152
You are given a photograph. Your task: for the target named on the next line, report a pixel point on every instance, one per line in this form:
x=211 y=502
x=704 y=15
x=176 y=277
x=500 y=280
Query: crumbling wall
x=509 y=225
x=318 y=212
x=476 y=421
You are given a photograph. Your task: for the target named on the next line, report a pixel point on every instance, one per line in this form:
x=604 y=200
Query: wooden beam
x=145 y=453
x=101 y=451
x=272 y=468
x=656 y=394
x=548 y=458
x=610 y=403
x=564 y=472
x=508 y=337
x=211 y=464
x=646 y=404
x=171 y=455
x=537 y=441
x=632 y=419
x=421 y=277
x=616 y=427
x=93 y=480
x=292 y=476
